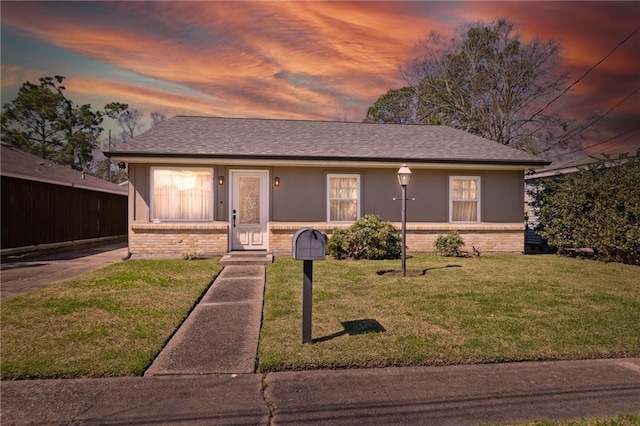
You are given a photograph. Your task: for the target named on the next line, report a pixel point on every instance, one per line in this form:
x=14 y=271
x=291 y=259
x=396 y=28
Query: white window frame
x=178 y=168
x=328 y=199
x=478 y=197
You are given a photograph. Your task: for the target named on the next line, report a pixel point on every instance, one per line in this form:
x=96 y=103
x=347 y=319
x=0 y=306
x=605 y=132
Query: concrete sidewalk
x=452 y=395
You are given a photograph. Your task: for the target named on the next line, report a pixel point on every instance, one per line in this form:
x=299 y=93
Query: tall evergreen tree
x=43 y=121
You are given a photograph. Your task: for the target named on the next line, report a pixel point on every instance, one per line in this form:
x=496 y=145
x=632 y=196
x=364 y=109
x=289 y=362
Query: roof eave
x=144 y=157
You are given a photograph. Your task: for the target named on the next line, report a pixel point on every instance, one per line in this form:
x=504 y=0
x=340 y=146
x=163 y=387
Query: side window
x=464 y=199
x=181 y=194
x=343 y=198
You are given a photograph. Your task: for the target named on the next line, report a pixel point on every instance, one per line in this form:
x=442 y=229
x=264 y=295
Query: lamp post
x=404 y=175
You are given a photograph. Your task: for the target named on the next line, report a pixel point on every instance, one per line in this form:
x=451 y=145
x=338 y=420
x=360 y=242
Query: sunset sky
x=302 y=60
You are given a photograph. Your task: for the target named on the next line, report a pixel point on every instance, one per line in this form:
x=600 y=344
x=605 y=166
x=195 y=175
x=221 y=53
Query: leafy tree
x=596 y=208
x=397 y=106
x=44 y=122
x=483 y=80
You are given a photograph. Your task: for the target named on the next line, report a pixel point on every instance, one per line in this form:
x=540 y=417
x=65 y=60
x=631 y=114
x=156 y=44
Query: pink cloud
x=305 y=59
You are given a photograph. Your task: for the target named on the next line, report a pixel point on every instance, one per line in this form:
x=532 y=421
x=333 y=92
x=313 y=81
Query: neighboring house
x=47 y=205
x=213 y=185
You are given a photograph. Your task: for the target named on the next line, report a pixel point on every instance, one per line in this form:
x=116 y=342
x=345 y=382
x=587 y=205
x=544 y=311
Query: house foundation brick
x=211 y=239
x=486 y=237
x=177 y=239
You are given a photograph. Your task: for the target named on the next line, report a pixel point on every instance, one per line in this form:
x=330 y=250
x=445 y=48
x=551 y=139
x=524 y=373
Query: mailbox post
x=308 y=245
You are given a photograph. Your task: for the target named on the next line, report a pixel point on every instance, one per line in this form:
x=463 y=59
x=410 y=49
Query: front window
x=464 y=196
x=182 y=194
x=343 y=202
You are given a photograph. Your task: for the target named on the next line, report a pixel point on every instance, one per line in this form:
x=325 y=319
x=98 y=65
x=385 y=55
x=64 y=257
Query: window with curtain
x=464 y=196
x=182 y=194
x=343 y=198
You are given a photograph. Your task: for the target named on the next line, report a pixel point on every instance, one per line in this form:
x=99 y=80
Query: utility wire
x=586 y=73
x=579 y=130
x=619 y=135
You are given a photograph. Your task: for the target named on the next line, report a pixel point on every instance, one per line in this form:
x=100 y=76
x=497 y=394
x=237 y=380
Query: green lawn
x=464 y=310
x=620 y=420
x=493 y=308
x=111 y=322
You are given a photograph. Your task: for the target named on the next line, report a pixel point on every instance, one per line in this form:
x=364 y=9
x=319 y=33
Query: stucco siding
x=503 y=196
x=300 y=195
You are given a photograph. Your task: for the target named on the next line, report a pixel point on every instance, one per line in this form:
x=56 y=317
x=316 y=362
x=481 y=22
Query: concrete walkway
x=221 y=333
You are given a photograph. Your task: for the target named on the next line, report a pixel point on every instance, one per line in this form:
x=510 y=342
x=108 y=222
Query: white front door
x=249 y=209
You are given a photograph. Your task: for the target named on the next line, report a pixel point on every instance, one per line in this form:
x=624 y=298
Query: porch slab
x=246 y=258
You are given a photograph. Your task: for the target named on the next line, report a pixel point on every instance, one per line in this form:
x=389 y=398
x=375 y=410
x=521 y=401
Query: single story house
x=47 y=205
x=213 y=185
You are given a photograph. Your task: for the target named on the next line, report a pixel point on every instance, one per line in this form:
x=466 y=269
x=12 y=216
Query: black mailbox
x=309 y=244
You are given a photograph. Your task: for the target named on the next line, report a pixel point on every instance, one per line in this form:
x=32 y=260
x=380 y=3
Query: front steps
x=246 y=258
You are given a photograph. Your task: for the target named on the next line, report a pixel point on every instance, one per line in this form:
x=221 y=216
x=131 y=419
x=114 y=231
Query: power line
x=619 y=135
x=579 y=130
x=586 y=73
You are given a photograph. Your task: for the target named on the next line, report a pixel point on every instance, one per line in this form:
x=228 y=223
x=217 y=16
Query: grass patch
x=619 y=420
x=111 y=322
x=494 y=308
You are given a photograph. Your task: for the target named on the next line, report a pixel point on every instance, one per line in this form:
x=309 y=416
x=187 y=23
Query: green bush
x=449 y=245
x=595 y=208
x=338 y=244
x=368 y=238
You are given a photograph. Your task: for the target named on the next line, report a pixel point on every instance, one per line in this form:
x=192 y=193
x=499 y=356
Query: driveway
x=21 y=276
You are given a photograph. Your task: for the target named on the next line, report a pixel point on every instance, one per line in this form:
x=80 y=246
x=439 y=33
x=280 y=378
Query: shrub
x=193 y=255
x=368 y=238
x=449 y=245
x=338 y=244
x=596 y=208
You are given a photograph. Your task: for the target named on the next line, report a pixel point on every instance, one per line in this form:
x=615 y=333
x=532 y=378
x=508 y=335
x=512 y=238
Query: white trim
x=358 y=200
x=237 y=162
x=478 y=180
x=179 y=168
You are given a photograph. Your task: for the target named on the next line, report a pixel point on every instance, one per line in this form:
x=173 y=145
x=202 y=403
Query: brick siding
x=486 y=237
x=175 y=239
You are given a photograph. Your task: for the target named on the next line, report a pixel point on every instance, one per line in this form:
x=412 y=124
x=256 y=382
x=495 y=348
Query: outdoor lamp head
x=404 y=175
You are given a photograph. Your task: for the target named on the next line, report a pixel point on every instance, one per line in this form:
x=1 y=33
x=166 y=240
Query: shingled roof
x=215 y=137
x=21 y=165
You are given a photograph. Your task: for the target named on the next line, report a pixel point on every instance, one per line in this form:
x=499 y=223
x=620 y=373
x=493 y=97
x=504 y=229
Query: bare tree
x=483 y=80
x=130 y=121
x=157 y=118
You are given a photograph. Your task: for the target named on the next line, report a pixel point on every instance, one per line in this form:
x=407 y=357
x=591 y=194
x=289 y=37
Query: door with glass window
x=249 y=210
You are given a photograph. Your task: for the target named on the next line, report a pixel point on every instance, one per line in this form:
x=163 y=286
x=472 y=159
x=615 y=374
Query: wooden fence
x=36 y=213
